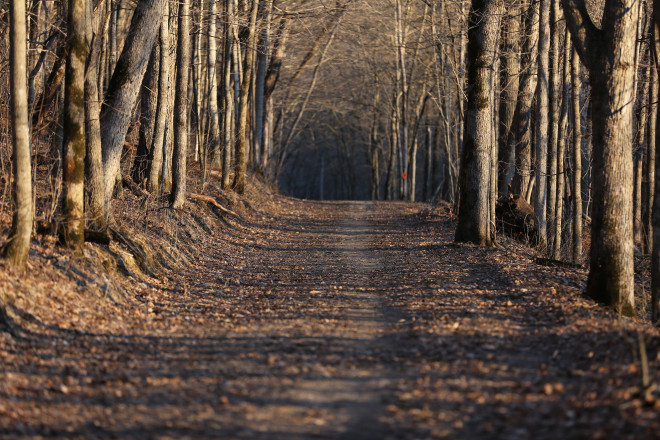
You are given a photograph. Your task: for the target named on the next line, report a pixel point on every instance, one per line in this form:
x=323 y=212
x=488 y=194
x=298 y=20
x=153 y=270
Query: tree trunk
x=242 y=137
x=650 y=162
x=95 y=207
x=541 y=164
x=259 y=100
x=155 y=161
x=125 y=86
x=553 y=123
x=179 y=156
x=18 y=243
x=403 y=96
x=561 y=151
x=608 y=54
x=642 y=120
x=522 y=120
x=148 y=109
x=229 y=98
x=577 y=158
x=509 y=80
x=655 y=253
x=473 y=215
x=73 y=227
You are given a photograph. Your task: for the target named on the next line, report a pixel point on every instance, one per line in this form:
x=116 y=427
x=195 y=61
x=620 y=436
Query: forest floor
x=300 y=319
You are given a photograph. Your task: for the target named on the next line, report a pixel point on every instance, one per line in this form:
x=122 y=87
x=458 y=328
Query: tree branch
x=584 y=33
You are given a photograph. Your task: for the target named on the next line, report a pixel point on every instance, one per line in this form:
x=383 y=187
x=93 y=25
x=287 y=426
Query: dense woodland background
x=357 y=99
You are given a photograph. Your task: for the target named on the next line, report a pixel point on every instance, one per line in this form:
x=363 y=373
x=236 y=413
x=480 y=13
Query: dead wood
x=212 y=201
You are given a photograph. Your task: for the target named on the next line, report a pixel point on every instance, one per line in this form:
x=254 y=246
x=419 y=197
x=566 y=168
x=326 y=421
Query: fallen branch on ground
x=212 y=201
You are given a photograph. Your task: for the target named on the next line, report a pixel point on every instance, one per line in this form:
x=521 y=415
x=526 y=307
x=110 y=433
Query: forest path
x=348 y=320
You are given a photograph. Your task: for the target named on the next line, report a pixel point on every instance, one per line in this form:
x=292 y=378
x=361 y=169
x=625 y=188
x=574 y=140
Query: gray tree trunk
x=155 y=162
x=655 y=253
x=473 y=215
x=148 y=109
x=542 y=110
x=522 y=120
x=650 y=162
x=15 y=250
x=179 y=157
x=240 y=169
x=509 y=80
x=125 y=86
x=214 y=118
x=73 y=227
x=577 y=158
x=561 y=151
x=95 y=208
x=260 y=85
x=608 y=54
x=229 y=99
x=553 y=122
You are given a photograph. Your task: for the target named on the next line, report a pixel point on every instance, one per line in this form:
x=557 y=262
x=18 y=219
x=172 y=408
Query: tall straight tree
x=178 y=195
x=17 y=245
x=655 y=253
x=543 y=89
x=522 y=120
x=214 y=122
x=73 y=228
x=608 y=53
x=509 y=80
x=242 y=137
x=577 y=157
x=95 y=207
x=484 y=26
x=155 y=162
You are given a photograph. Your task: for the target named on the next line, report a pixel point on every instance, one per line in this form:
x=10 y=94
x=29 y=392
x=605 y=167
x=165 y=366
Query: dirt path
x=337 y=320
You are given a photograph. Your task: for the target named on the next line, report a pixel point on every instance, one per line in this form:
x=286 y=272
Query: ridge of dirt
x=303 y=319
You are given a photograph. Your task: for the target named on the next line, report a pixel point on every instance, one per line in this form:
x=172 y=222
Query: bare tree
x=473 y=215
x=155 y=162
x=178 y=196
x=241 y=136
x=17 y=245
x=73 y=228
x=125 y=85
x=608 y=53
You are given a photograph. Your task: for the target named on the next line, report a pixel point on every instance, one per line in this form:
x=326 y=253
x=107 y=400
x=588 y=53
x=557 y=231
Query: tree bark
x=642 y=120
x=73 y=227
x=577 y=158
x=650 y=162
x=155 y=161
x=179 y=162
x=15 y=250
x=655 y=253
x=510 y=81
x=148 y=109
x=561 y=151
x=473 y=215
x=608 y=54
x=541 y=165
x=228 y=124
x=125 y=86
x=553 y=123
x=95 y=207
x=214 y=118
x=522 y=120
x=242 y=138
